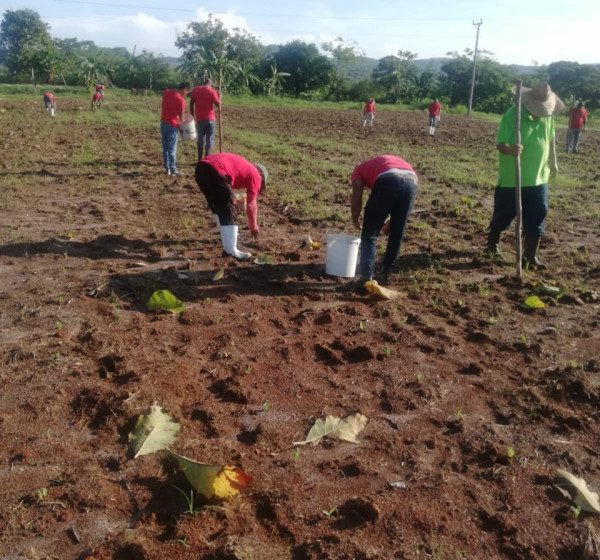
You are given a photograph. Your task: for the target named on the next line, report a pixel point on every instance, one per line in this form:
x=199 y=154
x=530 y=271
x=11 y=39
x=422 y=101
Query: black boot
x=532 y=243
x=493 y=243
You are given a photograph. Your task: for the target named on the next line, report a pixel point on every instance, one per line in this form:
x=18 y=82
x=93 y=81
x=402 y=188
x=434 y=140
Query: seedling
x=248 y=368
x=59 y=325
x=330 y=512
x=188 y=500
x=296 y=454
x=266 y=406
x=420 y=377
x=183 y=542
x=387 y=351
x=460 y=416
x=511 y=453
x=41 y=494
x=361 y=326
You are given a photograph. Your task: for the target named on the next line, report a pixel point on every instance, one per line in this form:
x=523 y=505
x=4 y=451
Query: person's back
x=578 y=117
x=172 y=106
x=204 y=98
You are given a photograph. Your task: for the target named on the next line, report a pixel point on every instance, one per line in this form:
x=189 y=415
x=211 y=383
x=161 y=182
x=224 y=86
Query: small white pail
x=187 y=130
x=342 y=254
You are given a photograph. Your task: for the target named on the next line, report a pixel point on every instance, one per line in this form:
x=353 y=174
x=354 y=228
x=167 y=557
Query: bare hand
x=357 y=223
x=516 y=149
x=386 y=228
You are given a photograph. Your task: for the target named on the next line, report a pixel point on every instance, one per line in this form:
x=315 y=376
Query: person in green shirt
x=538 y=162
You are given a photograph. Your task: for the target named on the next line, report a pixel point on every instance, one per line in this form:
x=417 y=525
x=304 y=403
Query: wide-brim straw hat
x=541 y=101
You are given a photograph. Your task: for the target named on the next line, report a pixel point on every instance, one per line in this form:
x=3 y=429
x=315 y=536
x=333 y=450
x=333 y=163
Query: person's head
x=263 y=174
x=541 y=101
x=184 y=88
x=371 y=99
x=580 y=105
x=207 y=81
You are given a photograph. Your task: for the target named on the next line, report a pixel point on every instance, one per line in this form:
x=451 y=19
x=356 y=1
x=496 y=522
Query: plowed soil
x=472 y=402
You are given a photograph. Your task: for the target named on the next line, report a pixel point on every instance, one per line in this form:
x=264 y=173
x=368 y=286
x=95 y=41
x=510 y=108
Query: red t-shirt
x=97 y=96
x=99 y=87
x=578 y=117
x=50 y=96
x=204 y=98
x=434 y=108
x=173 y=105
x=369 y=107
x=242 y=174
x=369 y=170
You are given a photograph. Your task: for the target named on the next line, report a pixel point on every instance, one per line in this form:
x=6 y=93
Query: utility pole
x=478 y=24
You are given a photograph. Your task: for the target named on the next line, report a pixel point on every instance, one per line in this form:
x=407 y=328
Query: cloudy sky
x=516 y=31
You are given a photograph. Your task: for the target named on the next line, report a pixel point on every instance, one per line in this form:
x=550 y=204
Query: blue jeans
x=169 y=146
x=206 y=137
x=534 y=201
x=573 y=135
x=392 y=196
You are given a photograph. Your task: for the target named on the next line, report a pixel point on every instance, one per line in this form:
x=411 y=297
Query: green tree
x=273 y=84
x=308 y=69
x=25 y=44
x=397 y=75
x=343 y=56
x=209 y=50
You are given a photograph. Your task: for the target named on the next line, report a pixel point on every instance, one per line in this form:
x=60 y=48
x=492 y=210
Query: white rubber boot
x=229 y=235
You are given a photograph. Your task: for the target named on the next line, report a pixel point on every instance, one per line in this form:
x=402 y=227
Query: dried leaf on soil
x=165 y=300
x=263 y=259
x=154 y=430
x=219 y=275
x=581 y=494
x=213 y=481
x=385 y=293
x=346 y=429
x=533 y=302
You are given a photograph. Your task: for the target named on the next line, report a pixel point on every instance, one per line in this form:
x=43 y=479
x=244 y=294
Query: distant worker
x=538 y=160
x=577 y=124
x=50 y=103
x=369 y=112
x=435 y=109
x=100 y=90
x=203 y=101
x=96 y=100
x=173 y=105
x=393 y=185
x=218 y=175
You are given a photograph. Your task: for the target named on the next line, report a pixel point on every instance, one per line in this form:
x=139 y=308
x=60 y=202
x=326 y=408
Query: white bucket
x=342 y=254
x=187 y=130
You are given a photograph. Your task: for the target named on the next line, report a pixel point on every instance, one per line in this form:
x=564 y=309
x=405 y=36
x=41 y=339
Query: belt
x=403 y=173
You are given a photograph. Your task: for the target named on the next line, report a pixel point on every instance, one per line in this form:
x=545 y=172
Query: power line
x=254 y=14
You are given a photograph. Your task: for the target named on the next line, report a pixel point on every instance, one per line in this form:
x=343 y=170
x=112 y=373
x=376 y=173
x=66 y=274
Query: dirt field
x=472 y=402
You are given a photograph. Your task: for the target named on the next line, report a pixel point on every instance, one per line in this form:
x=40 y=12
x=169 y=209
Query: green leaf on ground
x=346 y=429
x=542 y=289
x=263 y=259
x=154 y=430
x=165 y=300
x=533 y=302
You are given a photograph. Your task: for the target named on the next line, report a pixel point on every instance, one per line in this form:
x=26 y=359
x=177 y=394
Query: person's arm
x=553 y=158
x=182 y=110
x=356 y=204
x=252 y=212
x=512 y=150
x=192 y=107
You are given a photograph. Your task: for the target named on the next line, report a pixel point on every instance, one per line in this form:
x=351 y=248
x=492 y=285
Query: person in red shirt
x=577 y=123
x=100 y=90
x=173 y=104
x=96 y=100
x=203 y=101
x=218 y=175
x=369 y=112
x=393 y=185
x=435 y=108
x=50 y=103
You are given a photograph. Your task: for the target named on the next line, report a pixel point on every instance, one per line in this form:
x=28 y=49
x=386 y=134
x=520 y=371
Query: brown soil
x=451 y=375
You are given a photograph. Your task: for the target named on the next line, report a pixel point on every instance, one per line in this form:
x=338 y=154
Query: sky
x=515 y=31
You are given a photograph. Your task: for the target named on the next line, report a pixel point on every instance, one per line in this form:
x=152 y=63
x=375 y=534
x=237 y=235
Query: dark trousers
x=206 y=137
x=534 y=201
x=392 y=196
x=217 y=191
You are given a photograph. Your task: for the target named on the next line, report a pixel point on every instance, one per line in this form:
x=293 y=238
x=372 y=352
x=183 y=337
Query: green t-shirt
x=536 y=136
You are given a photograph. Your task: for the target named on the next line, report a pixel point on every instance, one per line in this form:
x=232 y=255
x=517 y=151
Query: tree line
x=239 y=64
